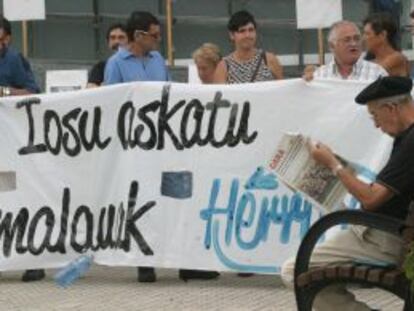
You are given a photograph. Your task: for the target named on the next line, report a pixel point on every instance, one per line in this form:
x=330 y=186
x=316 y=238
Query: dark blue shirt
x=15 y=71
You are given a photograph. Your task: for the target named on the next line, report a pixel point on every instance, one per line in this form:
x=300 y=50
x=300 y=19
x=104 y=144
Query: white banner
x=167 y=175
x=313 y=14
x=20 y=10
x=65 y=80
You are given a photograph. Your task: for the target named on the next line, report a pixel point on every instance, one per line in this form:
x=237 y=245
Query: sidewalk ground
x=115 y=288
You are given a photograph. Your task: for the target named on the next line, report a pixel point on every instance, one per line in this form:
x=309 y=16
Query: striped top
x=361 y=71
x=242 y=72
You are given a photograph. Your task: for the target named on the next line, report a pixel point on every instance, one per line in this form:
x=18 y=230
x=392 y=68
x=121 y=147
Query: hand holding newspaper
x=294 y=165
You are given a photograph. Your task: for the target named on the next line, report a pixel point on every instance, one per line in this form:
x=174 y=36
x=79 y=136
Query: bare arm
x=274 y=65
x=396 y=65
x=11 y=91
x=220 y=75
x=91 y=85
x=371 y=196
x=15 y=91
x=308 y=72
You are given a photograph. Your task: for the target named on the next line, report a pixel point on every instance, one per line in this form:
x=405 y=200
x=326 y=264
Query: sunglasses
x=155 y=36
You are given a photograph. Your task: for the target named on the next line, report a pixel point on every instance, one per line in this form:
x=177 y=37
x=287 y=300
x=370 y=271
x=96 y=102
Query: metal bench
x=308 y=282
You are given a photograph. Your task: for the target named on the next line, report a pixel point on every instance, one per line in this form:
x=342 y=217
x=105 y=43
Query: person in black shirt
x=115 y=37
x=391 y=106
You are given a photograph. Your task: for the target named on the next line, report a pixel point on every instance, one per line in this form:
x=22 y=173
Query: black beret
x=385 y=87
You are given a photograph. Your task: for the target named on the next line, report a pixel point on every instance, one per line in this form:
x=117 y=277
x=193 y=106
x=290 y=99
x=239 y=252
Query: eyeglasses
x=350 y=39
x=380 y=107
x=155 y=36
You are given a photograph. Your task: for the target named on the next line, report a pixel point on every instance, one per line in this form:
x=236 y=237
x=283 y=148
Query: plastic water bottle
x=75 y=269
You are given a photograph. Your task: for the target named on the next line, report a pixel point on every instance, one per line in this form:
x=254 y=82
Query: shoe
x=33 y=275
x=146 y=275
x=186 y=275
x=245 y=275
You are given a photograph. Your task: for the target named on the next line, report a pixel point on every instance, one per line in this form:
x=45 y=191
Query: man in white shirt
x=344 y=40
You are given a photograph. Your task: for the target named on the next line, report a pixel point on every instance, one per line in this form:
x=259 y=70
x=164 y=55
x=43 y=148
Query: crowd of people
x=372 y=55
x=135 y=56
x=356 y=56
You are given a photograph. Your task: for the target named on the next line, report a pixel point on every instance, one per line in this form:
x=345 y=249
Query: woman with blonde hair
x=206 y=58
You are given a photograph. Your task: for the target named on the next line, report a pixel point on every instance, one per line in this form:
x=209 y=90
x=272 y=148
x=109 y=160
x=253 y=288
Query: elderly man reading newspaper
x=391 y=106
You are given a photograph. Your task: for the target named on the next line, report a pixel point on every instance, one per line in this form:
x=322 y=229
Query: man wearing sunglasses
x=139 y=60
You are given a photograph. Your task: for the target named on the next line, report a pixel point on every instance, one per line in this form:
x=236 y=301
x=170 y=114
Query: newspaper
x=294 y=165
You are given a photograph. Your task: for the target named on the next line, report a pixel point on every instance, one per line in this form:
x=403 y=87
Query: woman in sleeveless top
x=246 y=63
x=380 y=36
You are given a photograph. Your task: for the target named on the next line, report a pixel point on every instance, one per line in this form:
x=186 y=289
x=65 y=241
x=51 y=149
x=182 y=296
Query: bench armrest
x=354 y=217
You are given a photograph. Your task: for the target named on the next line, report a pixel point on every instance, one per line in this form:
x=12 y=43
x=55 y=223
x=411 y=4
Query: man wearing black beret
x=391 y=106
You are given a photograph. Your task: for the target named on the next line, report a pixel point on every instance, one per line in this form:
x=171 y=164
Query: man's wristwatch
x=337 y=168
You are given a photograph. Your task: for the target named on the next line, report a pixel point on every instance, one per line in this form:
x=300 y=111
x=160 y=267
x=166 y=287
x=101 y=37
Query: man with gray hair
x=391 y=107
x=344 y=40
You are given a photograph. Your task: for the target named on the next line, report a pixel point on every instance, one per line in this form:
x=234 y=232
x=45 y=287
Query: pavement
x=116 y=288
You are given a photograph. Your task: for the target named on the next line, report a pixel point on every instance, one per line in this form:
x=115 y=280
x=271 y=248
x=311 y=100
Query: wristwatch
x=5 y=91
x=337 y=168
